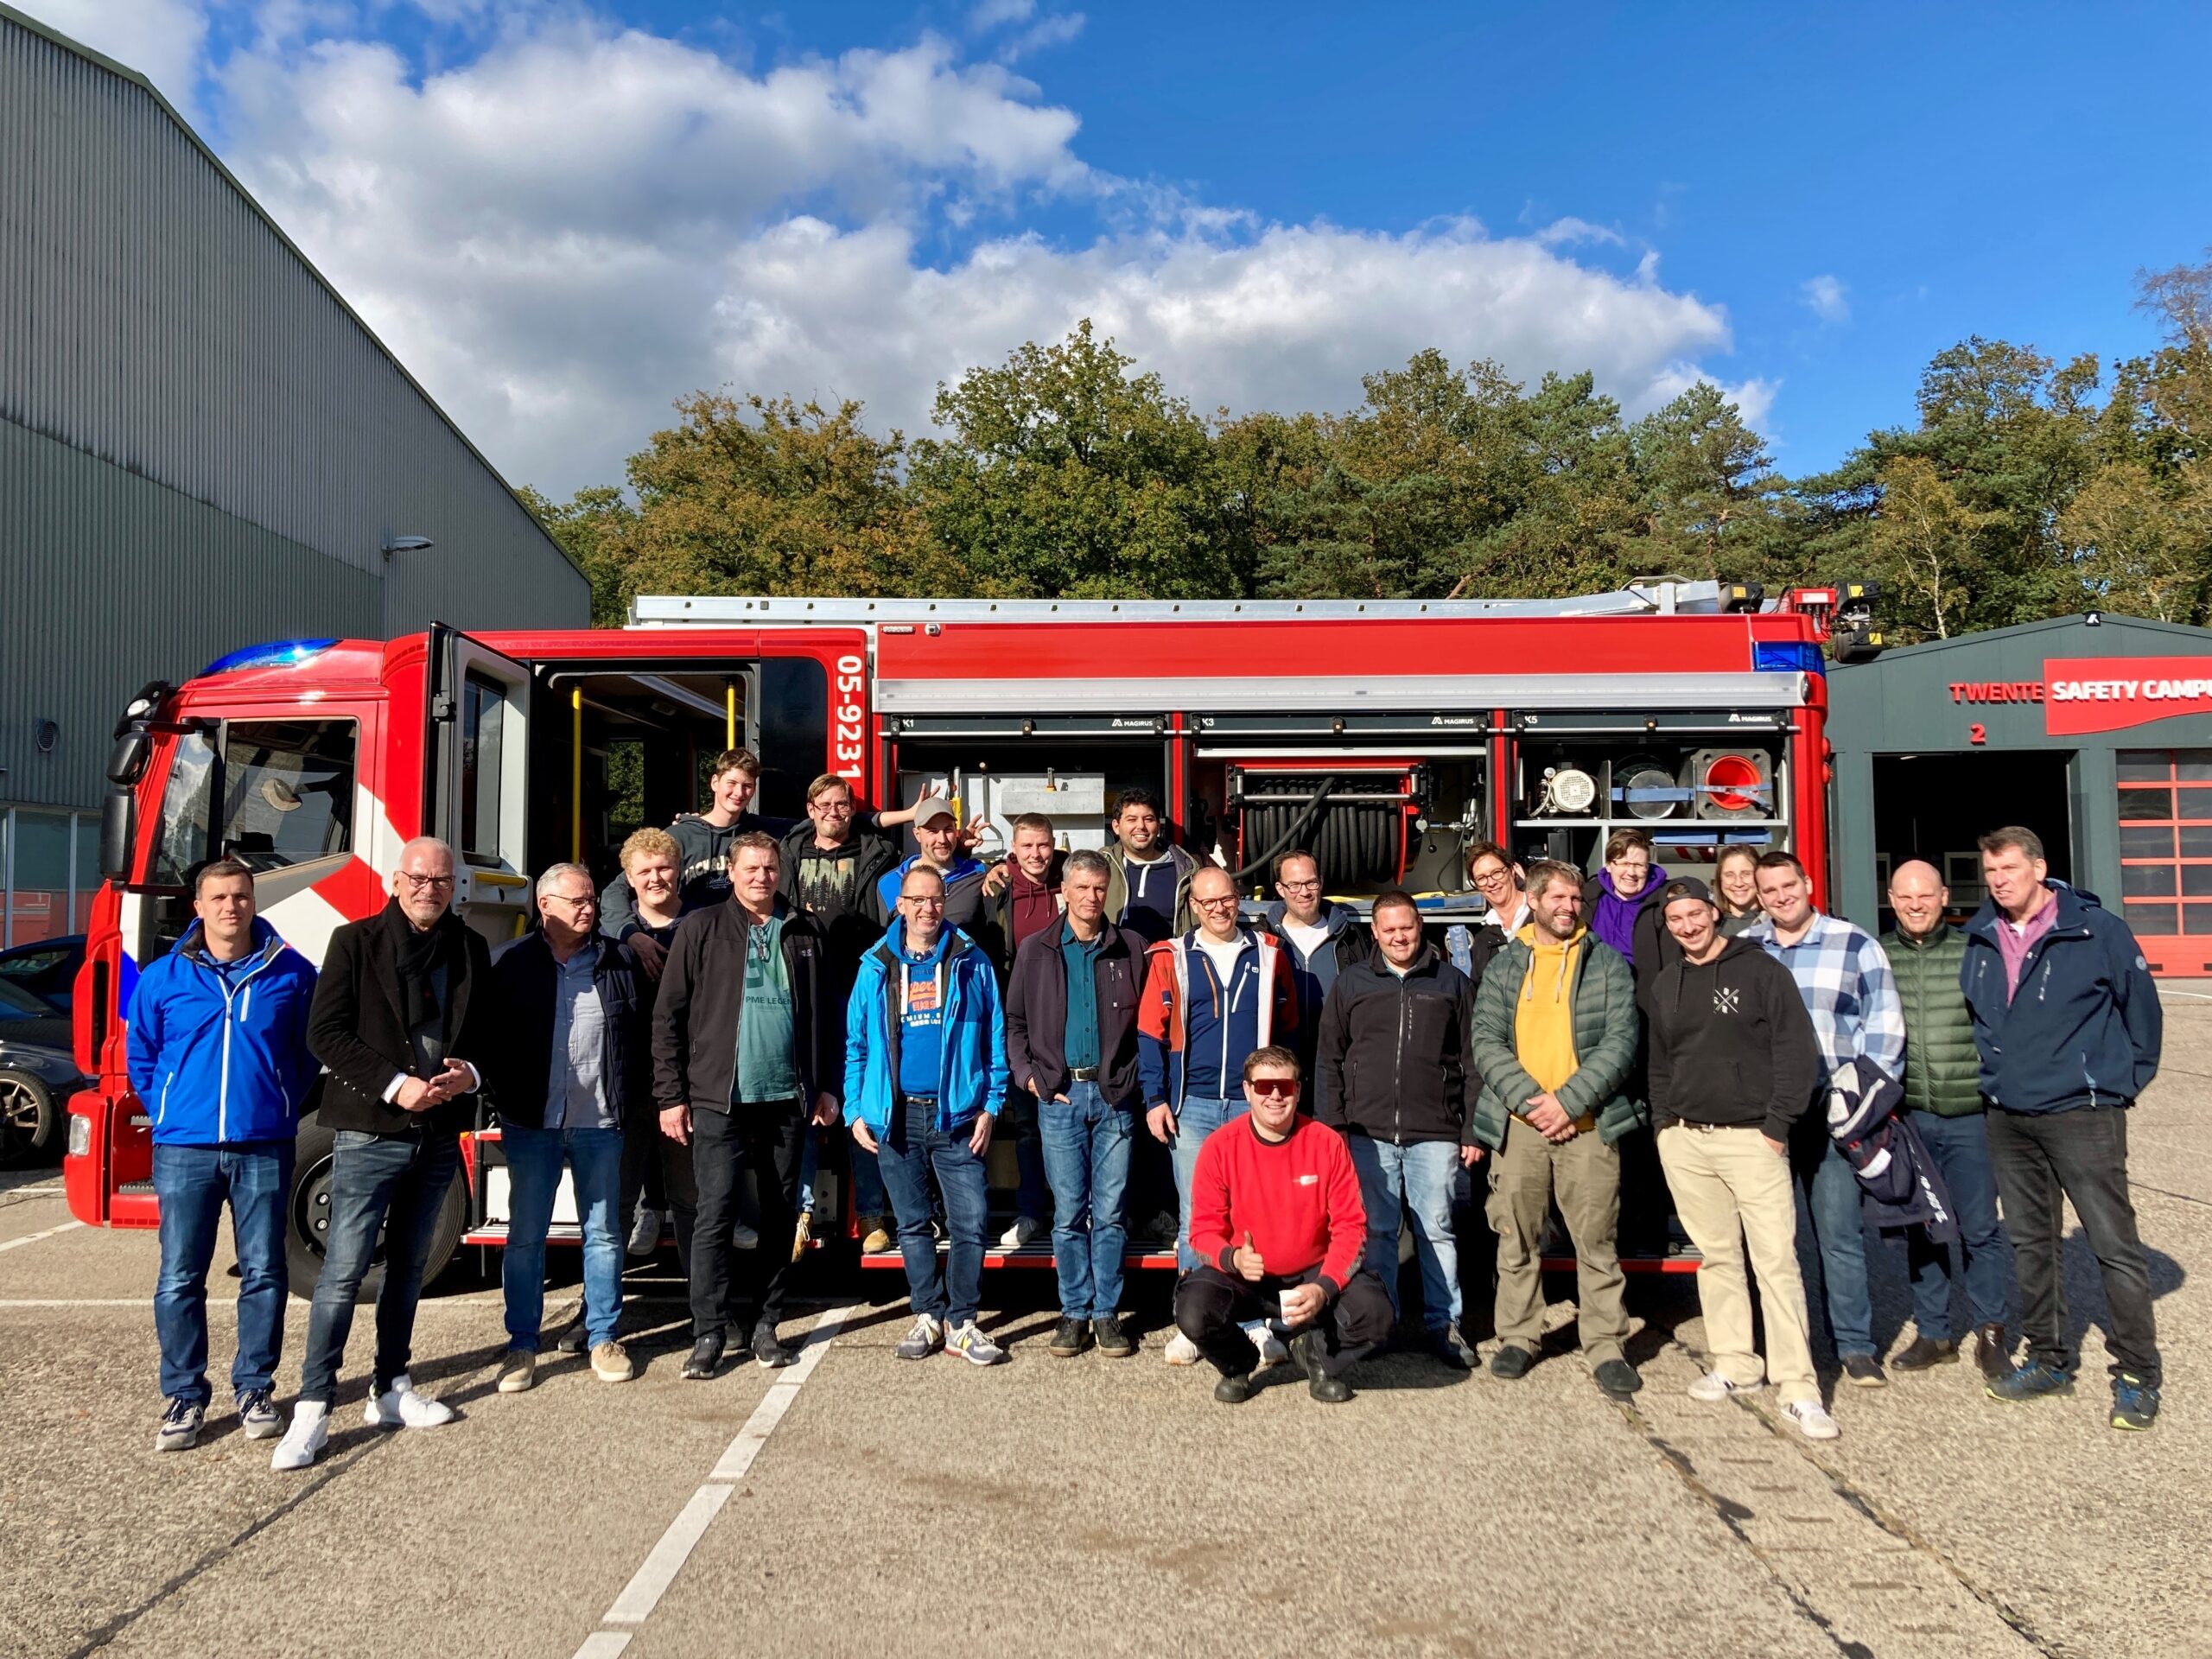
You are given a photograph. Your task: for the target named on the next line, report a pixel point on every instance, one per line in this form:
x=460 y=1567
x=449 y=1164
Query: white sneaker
x=400 y=1407
x=1181 y=1351
x=1812 y=1420
x=742 y=1237
x=304 y=1441
x=1272 y=1350
x=971 y=1344
x=1712 y=1386
x=1025 y=1228
x=645 y=1232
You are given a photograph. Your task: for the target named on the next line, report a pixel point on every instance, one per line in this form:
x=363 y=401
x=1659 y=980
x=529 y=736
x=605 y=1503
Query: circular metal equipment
x=1569 y=791
x=1729 y=784
x=1648 y=789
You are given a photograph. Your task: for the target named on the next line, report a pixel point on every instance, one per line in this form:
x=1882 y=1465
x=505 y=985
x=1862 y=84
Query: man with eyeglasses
x=925 y=1075
x=404 y=999
x=1211 y=997
x=744 y=1056
x=1277 y=1217
x=1323 y=936
x=569 y=1057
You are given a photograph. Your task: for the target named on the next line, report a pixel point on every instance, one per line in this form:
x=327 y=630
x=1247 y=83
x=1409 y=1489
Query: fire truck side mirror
x=119 y=833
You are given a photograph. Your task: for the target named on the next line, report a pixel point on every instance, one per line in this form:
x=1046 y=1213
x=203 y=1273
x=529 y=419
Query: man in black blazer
x=404 y=1000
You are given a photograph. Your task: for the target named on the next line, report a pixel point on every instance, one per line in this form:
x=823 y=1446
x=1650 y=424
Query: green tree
x=1708 y=483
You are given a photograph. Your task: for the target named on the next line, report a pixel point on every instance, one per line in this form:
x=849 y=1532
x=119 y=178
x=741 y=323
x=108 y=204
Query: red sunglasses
x=1273 y=1088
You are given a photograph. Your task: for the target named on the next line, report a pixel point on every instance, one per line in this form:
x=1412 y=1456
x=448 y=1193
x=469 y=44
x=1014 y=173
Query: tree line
x=2022 y=488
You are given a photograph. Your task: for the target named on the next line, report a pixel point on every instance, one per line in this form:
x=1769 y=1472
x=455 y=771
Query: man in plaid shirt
x=1852 y=997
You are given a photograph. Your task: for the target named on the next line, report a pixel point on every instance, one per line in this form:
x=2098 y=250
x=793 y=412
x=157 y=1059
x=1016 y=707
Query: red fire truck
x=1385 y=736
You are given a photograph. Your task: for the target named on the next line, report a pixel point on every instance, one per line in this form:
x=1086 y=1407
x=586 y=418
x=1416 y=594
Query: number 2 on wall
x=1977 y=733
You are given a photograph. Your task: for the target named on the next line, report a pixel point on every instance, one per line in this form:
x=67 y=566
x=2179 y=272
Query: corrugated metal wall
x=154 y=323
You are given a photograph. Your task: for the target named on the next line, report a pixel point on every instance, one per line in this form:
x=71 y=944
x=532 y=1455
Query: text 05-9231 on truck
x=1385 y=736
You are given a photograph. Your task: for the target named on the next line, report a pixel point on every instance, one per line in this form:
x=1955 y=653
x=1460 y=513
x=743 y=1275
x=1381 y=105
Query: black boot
x=1994 y=1348
x=1923 y=1353
x=1311 y=1352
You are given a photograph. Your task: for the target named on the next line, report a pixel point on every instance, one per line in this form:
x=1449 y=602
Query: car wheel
x=307 y=1219
x=30 y=1117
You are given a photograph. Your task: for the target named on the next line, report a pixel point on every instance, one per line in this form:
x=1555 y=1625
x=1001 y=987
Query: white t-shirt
x=1222 y=954
x=1308 y=939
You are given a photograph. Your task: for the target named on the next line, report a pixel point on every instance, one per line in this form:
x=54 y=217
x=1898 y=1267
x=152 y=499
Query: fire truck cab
x=1384 y=736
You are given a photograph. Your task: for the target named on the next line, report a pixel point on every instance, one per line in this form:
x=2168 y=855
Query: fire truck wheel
x=30 y=1117
x=307 y=1219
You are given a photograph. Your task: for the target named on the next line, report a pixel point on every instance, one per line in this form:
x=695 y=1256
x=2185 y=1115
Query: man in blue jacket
x=219 y=1059
x=2066 y=1019
x=924 y=1077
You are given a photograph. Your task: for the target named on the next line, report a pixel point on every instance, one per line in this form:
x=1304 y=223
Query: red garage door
x=2165 y=856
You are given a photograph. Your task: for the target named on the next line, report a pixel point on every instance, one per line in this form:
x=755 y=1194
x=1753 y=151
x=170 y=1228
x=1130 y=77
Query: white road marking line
x=643 y=1593
x=651 y=1581
x=33 y=1238
x=55 y=1191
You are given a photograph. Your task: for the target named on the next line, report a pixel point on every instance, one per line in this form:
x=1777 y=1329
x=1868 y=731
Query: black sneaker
x=1925 y=1353
x=1311 y=1353
x=1070 y=1338
x=1113 y=1342
x=2135 y=1402
x=771 y=1351
x=1512 y=1361
x=1616 y=1377
x=1234 y=1390
x=1864 y=1371
x=706 y=1354
x=574 y=1340
x=2034 y=1381
x=1447 y=1347
x=180 y=1429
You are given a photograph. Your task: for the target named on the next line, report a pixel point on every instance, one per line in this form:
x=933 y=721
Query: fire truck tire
x=30 y=1117
x=307 y=1219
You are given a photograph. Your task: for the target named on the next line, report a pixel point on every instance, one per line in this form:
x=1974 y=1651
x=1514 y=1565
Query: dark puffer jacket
x=1942 y=1068
x=1603 y=998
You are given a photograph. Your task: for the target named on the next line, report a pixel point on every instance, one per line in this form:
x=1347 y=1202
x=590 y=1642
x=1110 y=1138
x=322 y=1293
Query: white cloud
x=163 y=40
x=575 y=225
x=1827 y=298
x=988 y=15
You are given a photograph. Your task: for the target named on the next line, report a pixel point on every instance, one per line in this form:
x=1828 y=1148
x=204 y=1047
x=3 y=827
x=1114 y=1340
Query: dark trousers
x=1211 y=1307
x=193 y=1183
x=397 y=1183
x=644 y=1163
x=769 y=1139
x=1959 y=1147
x=2082 y=1156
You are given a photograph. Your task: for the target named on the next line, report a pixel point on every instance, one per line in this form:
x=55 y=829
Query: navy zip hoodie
x=2084 y=1029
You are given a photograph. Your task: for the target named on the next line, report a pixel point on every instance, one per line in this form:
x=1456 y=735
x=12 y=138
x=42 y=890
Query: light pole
x=392 y=545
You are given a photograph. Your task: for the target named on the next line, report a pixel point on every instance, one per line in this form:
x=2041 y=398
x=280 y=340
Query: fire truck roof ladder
x=1654 y=598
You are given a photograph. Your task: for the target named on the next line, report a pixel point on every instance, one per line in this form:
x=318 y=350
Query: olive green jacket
x=1942 y=1068
x=1604 y=1003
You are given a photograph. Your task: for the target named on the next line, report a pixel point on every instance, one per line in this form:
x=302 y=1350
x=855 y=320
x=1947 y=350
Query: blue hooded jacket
x=216 y=1063
x=972 y=1071
x=2085 y=1027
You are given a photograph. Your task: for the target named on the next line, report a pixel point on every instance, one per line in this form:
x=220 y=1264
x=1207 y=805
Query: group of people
x=1309 y=1084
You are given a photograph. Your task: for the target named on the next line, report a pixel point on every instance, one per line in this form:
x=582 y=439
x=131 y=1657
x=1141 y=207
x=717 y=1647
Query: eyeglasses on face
x=1631 y=863
x=436 y=883
x=1493 y=878
x=1299 y=886
x=833 y=809
x=1272 y=1088
x=1227 y=901
x=923 y=900
x=581 y=900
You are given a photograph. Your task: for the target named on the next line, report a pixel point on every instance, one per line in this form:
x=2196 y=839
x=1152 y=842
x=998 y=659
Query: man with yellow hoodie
x=1554 y=1040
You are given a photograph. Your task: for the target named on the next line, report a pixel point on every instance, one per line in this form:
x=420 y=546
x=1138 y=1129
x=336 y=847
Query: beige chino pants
x=1586 y=1175
x=1731 y=1189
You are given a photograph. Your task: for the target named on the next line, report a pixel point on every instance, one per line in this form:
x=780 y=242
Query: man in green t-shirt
x=744 y=1053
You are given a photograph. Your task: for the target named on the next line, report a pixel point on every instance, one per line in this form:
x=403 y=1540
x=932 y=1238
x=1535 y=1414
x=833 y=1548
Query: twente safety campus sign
x=2103 y=694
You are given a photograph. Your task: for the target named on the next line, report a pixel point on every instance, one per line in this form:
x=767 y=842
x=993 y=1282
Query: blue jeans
x=1959 y=1147
x=914 y=1150
x=1195 y=1119
x=870 y=1201
x=1086 y=1146
x=395 y=1183
x=1420 y=1178
x=193 y=1183
x=1832 y=1209
x=534 y=1159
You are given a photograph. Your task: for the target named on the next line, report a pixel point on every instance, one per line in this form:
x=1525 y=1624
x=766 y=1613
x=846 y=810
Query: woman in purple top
x=1621 y=903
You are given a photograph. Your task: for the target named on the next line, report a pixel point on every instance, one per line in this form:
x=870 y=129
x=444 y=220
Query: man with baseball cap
x=1734 y=1063
x=936 y=831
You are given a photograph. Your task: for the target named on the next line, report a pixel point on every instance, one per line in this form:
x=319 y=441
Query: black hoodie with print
x=1731 y=1042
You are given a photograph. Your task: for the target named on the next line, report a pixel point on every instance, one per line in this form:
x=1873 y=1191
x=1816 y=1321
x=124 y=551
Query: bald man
x=1943 y=1101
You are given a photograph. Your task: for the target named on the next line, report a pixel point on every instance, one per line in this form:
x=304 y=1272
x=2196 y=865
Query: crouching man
x=1279 y=1229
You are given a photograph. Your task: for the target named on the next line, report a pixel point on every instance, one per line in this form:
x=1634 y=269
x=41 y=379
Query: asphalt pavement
x=858 y=1506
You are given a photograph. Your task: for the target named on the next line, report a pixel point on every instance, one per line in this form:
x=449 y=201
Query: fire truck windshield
x=286 y=789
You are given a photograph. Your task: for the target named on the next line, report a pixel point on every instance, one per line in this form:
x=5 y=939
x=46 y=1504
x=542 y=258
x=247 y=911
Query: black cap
x=1685 y=887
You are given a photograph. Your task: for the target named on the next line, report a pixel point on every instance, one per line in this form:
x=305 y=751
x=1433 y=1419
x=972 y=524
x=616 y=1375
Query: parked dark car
x=38 y=1074
x=46 y=969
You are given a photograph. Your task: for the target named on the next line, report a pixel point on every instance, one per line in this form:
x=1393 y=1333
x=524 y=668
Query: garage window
x=2165 y=842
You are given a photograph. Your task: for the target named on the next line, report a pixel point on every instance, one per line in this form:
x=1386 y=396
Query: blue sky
x=564 y=217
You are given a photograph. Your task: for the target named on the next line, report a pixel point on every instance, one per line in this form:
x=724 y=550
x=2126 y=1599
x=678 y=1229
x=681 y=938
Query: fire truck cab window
x=483 y=742
x=287 y=789
x=185 y=804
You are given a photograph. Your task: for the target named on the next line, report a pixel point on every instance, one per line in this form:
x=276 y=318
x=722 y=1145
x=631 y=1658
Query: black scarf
x=421 y=955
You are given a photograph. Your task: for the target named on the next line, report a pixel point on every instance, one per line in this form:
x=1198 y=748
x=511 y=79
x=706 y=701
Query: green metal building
x=2094 y=731
x=201 y=446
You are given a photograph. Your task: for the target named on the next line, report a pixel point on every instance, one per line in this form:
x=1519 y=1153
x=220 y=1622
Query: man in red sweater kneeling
x=1278 y=1227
